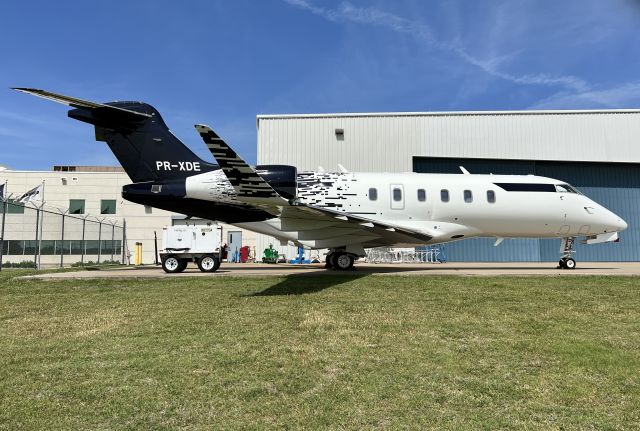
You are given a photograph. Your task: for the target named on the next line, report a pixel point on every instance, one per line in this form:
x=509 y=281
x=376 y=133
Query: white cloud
x=621 y=96
x=347 y=12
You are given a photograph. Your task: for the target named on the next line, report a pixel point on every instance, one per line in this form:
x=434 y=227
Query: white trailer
x=184 y=244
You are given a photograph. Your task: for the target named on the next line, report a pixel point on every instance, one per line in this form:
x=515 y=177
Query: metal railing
x=391 y=255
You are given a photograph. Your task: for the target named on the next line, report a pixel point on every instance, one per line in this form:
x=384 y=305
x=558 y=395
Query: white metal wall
x=387 y=142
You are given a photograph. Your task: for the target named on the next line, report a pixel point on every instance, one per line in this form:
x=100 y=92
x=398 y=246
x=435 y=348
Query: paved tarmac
x=424 y=269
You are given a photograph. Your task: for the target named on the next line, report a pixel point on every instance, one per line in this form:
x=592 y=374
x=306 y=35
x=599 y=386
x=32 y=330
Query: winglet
x=248 y=184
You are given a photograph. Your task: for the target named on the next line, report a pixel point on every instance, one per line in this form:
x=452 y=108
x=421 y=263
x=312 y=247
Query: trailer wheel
x=208 y=263
x=171 y=264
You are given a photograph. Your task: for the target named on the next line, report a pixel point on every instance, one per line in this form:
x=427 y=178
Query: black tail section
x=137 y=136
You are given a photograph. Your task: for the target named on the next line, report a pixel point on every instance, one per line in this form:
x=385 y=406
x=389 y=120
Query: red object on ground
x=244 y=254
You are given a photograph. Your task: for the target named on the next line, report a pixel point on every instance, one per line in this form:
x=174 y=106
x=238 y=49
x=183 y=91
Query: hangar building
x=596 y=151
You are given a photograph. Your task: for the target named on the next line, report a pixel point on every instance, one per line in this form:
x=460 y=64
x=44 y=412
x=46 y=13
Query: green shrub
x=92 y=263
x=24 y=264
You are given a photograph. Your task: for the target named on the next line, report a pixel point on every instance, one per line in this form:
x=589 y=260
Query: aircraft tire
x=329 y=261
x=343 y=261
x=570 y=263
x=208 y=263
x=172 y=264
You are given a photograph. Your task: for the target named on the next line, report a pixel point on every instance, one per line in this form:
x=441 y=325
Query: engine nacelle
x=283 y=178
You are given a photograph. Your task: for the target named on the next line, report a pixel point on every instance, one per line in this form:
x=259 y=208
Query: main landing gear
x=567 y=251
x=340 y=260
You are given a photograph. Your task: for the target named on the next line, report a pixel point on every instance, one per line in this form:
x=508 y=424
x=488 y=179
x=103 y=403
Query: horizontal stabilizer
x=76 y=103
x=136 y=134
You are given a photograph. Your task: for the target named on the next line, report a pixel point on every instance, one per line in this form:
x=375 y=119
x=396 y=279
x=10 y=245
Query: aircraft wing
x=312 y=223
x=380 y=229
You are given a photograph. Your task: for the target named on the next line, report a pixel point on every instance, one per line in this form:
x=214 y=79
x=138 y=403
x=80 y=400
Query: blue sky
x=223 y=62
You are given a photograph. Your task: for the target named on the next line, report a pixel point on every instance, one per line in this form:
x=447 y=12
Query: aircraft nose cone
x=620 y=224
x=615 y=223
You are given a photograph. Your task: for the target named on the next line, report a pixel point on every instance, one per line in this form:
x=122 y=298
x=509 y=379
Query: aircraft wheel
x=208 y=263
x=570 y=263
x=172 y=265
x=561 y=264
x=343 y=261
x=329 y=261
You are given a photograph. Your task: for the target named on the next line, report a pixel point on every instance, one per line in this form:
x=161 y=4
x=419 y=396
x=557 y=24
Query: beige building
x=92 y=193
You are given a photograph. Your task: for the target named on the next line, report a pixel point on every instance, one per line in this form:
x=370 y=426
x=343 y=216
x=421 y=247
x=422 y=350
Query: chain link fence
x=40 y=237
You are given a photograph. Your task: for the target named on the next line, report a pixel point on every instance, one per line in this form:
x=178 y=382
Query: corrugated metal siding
x=387 y=143
x=616 y=186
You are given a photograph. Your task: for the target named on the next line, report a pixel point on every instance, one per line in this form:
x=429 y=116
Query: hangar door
x=613 y=185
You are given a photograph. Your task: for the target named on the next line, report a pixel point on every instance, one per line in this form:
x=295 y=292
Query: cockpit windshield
x=566 y=188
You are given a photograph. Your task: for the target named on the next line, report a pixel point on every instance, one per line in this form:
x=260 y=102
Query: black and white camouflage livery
x=244 y=179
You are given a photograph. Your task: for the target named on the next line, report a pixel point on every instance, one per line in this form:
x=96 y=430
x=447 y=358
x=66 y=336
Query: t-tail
x=137 y=136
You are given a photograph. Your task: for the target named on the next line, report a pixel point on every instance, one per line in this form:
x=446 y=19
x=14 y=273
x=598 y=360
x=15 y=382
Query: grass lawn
x=323 y=352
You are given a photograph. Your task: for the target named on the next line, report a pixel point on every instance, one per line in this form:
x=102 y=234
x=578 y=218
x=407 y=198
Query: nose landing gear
x=567 y=251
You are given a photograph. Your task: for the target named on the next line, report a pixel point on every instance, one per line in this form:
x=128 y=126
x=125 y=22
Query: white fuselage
x=477 y=205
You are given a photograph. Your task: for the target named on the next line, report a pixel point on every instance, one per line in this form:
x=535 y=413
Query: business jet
x=344 y=212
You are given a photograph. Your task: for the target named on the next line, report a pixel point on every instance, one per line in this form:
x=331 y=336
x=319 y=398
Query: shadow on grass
x=302 y=284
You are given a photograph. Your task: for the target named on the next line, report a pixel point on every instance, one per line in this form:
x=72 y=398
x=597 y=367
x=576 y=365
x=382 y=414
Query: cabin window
x=373 y=194
x=491 y=196
x=468 y=196
x=397 y=194
x=444 y=195
x=422 y=195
